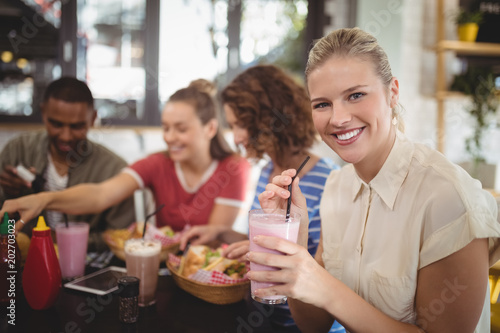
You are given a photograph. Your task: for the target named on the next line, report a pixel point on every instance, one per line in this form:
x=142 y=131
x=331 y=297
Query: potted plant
x=468 y=24
x=479 y=83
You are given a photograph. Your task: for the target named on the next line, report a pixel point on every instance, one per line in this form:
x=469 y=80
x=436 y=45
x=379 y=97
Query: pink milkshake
x=72 y=247
x=143 y=261
x=270 y=224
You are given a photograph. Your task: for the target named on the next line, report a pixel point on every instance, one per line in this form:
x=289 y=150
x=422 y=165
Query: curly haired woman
x=270 y=116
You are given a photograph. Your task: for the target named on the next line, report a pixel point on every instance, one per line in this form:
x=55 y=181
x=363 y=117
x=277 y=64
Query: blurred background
x=135 y=53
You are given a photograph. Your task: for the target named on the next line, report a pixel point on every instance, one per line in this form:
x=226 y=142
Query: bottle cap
x=129 y=286
x=41 y=226
x=4 y=227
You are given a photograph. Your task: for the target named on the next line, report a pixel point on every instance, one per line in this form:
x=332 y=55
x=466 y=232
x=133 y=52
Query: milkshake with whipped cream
x=143 y=261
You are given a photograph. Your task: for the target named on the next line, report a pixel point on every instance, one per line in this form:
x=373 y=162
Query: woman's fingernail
x=284 y=192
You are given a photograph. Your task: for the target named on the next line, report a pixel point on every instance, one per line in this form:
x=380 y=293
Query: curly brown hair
x=274 y=109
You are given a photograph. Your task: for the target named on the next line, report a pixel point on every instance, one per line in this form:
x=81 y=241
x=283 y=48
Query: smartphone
x=101 y=282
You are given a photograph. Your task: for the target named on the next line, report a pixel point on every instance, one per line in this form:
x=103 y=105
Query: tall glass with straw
x=278 y=223
x=72 y=242
x=142 y=257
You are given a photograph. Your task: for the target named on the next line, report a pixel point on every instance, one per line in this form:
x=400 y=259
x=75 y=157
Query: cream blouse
x=419 y=209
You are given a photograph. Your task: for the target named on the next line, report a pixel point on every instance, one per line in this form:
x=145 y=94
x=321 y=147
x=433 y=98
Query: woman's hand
x=201 y=234
x=276 y=194
x=237 y=250
x=28 y=207
x=276 y=197
x=300 y=276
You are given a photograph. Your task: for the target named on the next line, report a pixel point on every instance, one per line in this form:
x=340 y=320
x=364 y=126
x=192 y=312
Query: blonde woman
x=406 y=236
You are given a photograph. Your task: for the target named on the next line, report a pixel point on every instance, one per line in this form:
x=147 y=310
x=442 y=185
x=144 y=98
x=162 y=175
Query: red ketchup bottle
x=41 y=275
x=10 y=263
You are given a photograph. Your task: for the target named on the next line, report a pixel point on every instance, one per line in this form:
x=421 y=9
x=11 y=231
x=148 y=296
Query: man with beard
x=61 y=156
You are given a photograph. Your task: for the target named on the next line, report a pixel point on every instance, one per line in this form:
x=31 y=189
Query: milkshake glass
x=72 y=247
x=270 y=224
x=142 y=258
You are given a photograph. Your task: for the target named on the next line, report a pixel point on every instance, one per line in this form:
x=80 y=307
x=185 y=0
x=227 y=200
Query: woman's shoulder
x=432 y=166
x=445 y=190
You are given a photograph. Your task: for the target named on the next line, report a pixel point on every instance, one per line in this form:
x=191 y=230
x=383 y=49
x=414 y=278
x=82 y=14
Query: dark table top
x=175 y=311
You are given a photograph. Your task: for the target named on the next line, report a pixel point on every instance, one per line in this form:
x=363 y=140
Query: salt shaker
x=128 y=299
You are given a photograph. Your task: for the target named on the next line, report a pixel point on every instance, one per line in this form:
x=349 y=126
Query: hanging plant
x=479 y=84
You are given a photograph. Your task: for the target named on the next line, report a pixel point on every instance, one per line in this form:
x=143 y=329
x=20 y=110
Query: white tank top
x=54 y=182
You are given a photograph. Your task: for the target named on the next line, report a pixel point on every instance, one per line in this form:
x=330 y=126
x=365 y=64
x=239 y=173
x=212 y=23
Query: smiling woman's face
x=185 y=135
x=351 y=109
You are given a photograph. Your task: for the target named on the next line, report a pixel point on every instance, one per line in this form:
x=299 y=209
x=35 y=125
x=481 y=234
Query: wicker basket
x=215 y=294
x=119 y=252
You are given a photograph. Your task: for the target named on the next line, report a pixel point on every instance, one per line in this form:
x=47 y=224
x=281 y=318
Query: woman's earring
x=394 y=121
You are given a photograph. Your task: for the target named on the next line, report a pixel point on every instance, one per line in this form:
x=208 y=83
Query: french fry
x=213 y=264
x=181 y=266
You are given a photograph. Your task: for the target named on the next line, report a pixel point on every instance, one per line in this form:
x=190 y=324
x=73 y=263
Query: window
x=135 y=53
x=200 y=51
x=28 y=52
x=114 y=33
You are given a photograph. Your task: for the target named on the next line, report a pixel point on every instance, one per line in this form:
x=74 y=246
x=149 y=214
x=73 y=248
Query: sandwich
x=193 y=260
x=231 y=267
x=202 y=257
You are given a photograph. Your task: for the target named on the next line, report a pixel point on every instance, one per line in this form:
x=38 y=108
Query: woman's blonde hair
x=354 y=42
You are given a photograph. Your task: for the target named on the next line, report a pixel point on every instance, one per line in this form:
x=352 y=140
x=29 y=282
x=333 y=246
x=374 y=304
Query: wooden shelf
x=446 y=94
x=460 y=48
x=470 y=48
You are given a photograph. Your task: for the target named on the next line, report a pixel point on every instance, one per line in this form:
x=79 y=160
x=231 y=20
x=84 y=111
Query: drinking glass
x=142 y=259
x=270 y=223
x=72 y=244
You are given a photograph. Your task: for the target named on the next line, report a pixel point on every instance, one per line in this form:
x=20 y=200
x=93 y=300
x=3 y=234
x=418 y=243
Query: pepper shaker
x=128 y=299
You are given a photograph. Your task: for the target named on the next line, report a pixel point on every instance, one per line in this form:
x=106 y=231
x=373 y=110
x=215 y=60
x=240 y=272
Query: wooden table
x=174 y=311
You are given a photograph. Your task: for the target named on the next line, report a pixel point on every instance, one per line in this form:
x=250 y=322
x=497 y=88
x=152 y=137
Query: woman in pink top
x=199 y=179
x=406 y=236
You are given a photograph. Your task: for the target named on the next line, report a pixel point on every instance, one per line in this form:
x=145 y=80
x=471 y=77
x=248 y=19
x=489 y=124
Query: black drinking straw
x=147 y=218
x=289 y=202
x=66 y=220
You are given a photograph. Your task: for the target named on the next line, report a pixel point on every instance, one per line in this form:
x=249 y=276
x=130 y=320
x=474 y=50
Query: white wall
x=406 y=29
x=383 y=19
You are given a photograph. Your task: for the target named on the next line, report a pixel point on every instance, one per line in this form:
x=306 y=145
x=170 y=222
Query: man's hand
x=12 y=184
x=28 y=207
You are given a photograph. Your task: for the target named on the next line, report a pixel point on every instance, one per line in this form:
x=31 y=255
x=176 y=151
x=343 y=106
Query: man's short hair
x=69 y=89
